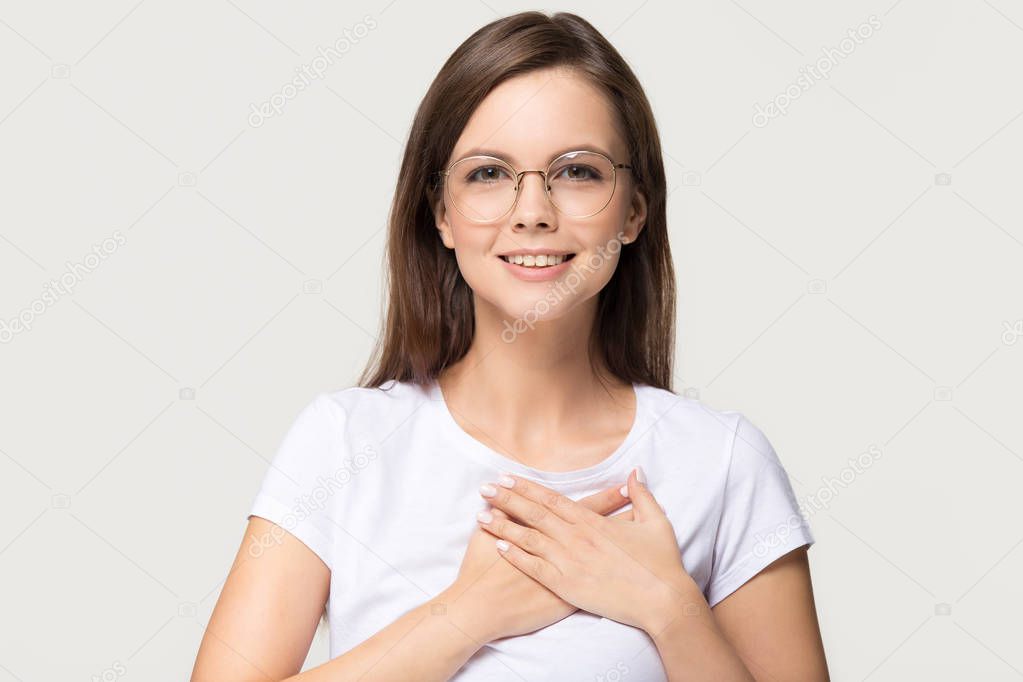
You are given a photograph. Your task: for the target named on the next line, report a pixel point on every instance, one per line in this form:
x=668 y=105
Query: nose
x=533 y=208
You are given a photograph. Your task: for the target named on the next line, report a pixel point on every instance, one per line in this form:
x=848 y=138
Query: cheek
x=595 y=270
x=473 y=245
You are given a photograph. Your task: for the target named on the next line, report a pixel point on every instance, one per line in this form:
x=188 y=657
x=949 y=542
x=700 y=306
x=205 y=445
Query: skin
x=557 y=413
x=530 y=120
x=265 y=618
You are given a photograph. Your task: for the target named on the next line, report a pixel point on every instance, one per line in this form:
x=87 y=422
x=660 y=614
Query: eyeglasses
x=579 y=184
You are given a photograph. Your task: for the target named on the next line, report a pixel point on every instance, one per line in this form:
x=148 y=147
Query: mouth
x=539 y=262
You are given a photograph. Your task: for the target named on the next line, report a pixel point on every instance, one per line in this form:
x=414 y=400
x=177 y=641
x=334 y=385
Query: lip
x=536 y=274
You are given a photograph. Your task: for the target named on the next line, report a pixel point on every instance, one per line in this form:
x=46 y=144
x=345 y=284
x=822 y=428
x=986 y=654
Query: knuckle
x=536 y=569
x=553 y=500
x=531 y=539
x=583 y=541
x=535 y=515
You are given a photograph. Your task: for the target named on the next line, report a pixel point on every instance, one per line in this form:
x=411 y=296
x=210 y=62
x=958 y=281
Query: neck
x=542 y=379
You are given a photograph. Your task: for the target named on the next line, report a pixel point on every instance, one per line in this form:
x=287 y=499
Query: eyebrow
x=482 y=151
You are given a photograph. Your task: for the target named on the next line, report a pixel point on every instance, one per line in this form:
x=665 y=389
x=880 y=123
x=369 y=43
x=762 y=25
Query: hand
x=491 y=598
x=626 y=567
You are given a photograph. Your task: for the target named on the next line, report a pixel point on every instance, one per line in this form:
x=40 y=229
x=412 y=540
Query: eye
x=577 y=172
x=487 y=174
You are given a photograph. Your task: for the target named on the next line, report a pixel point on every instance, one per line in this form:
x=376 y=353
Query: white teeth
x=541 y=261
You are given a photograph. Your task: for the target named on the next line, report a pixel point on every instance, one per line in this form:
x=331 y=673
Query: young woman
x=513 y=492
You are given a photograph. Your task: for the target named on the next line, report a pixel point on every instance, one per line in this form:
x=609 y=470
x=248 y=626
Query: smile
x=539 y=261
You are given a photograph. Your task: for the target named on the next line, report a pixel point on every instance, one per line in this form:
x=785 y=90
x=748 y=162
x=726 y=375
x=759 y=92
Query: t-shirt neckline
x=493 y=458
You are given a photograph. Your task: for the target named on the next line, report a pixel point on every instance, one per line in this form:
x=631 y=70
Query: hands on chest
x=538 y=556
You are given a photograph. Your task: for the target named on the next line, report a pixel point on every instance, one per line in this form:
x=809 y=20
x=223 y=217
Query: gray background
x=849 y=276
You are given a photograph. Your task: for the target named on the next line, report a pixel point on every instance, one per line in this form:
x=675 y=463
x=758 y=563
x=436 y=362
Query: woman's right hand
x=491 y=599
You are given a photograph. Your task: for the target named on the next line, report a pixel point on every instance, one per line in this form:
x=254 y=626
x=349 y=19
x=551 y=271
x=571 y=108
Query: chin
x=530 y=309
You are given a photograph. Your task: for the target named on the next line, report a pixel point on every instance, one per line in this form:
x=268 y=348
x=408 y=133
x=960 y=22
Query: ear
x=440 y=218
x=635 y=221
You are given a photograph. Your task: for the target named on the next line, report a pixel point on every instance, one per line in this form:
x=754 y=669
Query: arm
x=772 y=622
x=765 y=630
x=688 y=639
x=266 y=616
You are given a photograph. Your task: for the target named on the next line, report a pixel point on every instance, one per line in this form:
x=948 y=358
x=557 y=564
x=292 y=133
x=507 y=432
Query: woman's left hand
x=625 y=567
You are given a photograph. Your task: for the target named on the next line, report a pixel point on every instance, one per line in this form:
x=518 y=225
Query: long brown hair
x=430 y=319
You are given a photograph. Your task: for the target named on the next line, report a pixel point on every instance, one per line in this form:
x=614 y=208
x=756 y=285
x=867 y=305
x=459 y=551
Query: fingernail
x=640 y=476
x=502 y=545
x=485 y=517
x=624 y=490
x=487 y=490
x=506 y=481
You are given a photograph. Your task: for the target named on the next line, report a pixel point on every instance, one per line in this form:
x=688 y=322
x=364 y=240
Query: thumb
x=644 y=504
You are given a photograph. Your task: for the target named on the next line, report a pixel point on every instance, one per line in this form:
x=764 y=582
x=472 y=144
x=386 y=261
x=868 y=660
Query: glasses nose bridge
x=520 y=174
x=546 y=187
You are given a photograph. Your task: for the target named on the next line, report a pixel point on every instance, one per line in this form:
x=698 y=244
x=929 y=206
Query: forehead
x=534 y=117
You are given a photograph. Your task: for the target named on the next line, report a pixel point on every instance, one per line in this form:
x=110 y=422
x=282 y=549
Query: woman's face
x=528 y=121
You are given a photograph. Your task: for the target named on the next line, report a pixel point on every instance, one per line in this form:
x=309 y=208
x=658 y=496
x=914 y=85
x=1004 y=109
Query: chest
x=399 y=549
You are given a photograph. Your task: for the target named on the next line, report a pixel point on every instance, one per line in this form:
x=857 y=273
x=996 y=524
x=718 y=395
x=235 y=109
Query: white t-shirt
x=383 y=485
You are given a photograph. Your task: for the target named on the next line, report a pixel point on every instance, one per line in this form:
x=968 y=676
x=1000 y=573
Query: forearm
x=689 y=641
x=430 y=642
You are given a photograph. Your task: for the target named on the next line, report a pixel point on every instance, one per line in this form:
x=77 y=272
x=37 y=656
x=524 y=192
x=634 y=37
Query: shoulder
x=337 y=429
x=390 y=401
x=723 y=444
x=701 y=426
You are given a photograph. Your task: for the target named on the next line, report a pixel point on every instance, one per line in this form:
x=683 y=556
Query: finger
x=605 y=501
x=533 y=504
x=535 y=567
x=626 y=515
x=600 y=503
x=529 y=539
x=543 y=496
x=643 y=502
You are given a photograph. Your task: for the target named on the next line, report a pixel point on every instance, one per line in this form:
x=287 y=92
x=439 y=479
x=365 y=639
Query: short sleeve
x=296 y=489
x=760 y=517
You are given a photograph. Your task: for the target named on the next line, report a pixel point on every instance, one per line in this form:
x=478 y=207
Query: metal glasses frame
x=546 y=185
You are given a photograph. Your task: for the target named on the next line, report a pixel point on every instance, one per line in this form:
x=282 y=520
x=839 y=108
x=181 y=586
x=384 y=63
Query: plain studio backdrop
x=191 y=249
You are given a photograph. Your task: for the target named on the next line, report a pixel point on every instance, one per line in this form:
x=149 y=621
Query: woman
x=476 y=508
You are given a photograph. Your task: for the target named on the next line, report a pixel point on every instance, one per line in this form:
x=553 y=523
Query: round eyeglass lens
x=581 y=183
x=481 y=187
